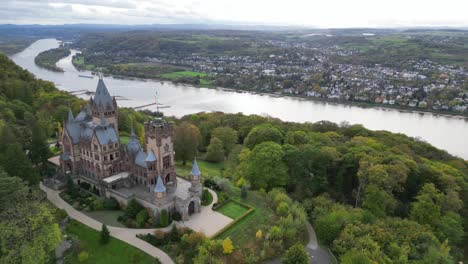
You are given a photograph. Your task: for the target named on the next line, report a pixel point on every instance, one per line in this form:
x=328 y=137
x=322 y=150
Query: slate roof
x=82 y=116
x=159 y=187
x=195 y=170
x=102 y=96
x=133 y=145
x=106 y=135
x=151 y=157
x=140 y=159
x=70 y=116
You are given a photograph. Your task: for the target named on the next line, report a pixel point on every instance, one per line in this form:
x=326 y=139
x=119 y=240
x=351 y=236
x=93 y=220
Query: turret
x=195 y=187
x=151 y=161
x=70 y=116
x=133 y=145
x=159 y=189
x=103 y=104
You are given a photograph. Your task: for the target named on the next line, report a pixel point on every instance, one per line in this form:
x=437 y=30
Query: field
x=232 y=209
x=208 y=170
x=124 y=140
x=178 y=74
x=115 y=251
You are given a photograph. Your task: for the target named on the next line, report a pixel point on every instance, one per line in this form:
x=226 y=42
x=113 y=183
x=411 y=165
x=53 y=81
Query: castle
x=92 y=152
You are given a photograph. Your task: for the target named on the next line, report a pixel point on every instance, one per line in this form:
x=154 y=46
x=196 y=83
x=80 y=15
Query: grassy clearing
x=116 y=251
x=124 y=140
x=232 y=209
x=209 y=170
x=261 y=218
x=175 y=75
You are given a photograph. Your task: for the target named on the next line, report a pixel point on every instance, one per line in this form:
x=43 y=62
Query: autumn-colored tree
x=227 y=246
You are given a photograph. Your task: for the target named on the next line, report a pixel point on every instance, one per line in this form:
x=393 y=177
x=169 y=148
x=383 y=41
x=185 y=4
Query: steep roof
x=140 y=159
x=195 y=170
x=151 y=157
x=102 y=96
x=70 y=116
x=133 y=145
x=159 y=187
x=106 y=135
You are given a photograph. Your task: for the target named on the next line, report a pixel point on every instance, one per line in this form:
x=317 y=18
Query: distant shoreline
x=308 y=98
x=324 y=100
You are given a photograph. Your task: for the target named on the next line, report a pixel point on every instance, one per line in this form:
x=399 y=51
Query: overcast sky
x=323 y=13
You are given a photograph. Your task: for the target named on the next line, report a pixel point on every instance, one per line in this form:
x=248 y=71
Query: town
x=326 y=67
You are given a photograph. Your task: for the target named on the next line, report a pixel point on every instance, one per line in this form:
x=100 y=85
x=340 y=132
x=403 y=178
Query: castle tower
x=151 y=165
x=159 y=189
x=158 y=138
x=195 y=179
x=104 y=104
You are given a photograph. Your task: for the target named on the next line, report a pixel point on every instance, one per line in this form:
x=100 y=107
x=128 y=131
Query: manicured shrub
x=141 y=218
x=207 y=198
x=133 y=208
x=164 y=218
x=111 y=204
x=176 y=216
x=83 y=256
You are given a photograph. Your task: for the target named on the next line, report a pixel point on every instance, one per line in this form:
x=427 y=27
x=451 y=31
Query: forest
x=31 y=111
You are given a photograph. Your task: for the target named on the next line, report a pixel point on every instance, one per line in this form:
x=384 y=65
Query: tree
x=426 y=209
x=259 y=234
x=227 y=246
x=296 y=137
x=296 y=255
x=378 y=201
x=39 y=148
x=266 y=168
x=141 y=218
x=228 y=137
x=16 y=163
x=164 y=218
x=215 y=152
x=186 y=141
x=244 y=191
x=28 y=227
x=263 y=133
x=105 y=235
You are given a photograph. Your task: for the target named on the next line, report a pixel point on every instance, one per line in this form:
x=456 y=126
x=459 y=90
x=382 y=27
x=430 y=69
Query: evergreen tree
x=39 y=148
x=105 y=234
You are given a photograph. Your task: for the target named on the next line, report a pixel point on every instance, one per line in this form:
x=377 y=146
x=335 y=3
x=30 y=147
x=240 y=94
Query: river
x=445 y=132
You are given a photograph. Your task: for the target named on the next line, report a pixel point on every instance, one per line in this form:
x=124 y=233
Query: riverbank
x=80 y=65
x=400 y=108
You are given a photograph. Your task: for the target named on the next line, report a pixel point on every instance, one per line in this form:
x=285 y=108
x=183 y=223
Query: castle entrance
x=191 y=208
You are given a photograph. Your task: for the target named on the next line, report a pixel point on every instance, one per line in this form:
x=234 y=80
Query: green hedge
x=244 y=215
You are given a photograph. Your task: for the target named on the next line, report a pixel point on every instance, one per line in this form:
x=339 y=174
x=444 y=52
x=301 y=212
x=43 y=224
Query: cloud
x=330 y=13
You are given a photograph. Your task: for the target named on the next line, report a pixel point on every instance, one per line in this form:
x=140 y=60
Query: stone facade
x=92 y=152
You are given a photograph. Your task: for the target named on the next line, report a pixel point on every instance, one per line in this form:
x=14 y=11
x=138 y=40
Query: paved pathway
x=208 y=222
x=125 y=234
x=318 y=255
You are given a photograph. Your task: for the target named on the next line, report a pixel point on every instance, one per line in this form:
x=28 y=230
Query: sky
x=309 y=13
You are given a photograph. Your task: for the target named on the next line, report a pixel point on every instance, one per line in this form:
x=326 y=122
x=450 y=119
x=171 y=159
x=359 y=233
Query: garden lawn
x=115 y=251
x=174 y=75
x=209 y=170
x=243 y=232
x=232 y=209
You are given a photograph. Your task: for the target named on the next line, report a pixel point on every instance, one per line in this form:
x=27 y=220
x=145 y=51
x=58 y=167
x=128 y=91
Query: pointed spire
x=195 y=170
x=88 y=108
x=103 y=119
x=159 y=187
x=70 y=116
x=132 y=132
x=151 y=157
